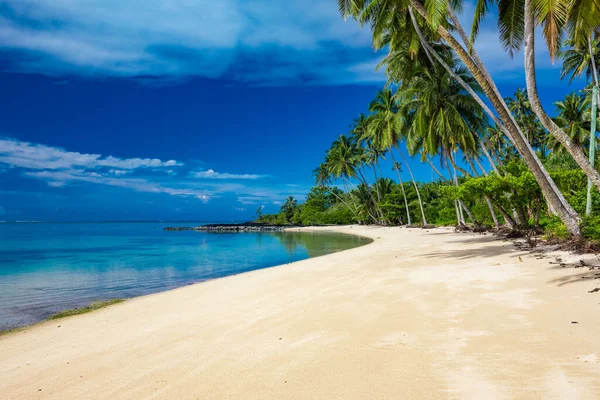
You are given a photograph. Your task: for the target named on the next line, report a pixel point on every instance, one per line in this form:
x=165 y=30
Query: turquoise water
x=49 y=267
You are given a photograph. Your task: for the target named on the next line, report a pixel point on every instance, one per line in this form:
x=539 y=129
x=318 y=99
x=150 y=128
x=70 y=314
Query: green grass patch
x=13 y=330
x=67 y=313
x=84 y=310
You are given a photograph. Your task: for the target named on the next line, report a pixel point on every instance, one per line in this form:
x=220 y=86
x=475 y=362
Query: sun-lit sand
x=414 y=315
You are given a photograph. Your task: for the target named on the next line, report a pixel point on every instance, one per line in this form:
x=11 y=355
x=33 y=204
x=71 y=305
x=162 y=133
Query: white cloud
x=178 y=38
x=37 y=156
x=62 y=177
x=211 y=174
x=59 y=167
x=259 y=42
x=120 y=172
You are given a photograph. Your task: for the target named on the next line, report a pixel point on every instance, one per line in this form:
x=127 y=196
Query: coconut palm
x=289 y=207
x=520 y=106
x=345 y=160
x=398 y=168
x=573 y=118
x=322 y=176
x=554 y=16
x=384 y=133
x=577 y=61
x=377 y=14
x=442 y=117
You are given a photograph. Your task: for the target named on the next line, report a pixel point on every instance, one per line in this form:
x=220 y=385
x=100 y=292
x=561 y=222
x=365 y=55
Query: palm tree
x=441 y=117
x=344 y=159
x=573 y=118
x=553 y=18
x=577 y=61
x=526 y=118
x=322 y=176
x=289 y=207
x=384 y=133
x=398 y=168
x=377 y=14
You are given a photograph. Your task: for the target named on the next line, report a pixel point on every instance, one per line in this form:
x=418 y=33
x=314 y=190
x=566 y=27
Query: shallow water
x=49 y=267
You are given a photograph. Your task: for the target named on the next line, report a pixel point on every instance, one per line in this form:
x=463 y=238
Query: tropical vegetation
x=498 y=161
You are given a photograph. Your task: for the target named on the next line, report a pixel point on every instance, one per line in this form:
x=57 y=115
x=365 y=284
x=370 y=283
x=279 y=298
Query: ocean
x=46 y=268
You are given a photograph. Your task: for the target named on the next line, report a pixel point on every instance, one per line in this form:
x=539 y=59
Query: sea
x=46 y=268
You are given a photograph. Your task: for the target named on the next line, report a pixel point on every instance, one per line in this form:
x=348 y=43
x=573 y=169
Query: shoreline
x=423 y=313
x=100 y=296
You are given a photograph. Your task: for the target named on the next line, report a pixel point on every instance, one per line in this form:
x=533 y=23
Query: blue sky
x=187 y=109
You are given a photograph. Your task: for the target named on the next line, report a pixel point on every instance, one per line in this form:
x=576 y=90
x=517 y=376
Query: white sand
x=414 y=315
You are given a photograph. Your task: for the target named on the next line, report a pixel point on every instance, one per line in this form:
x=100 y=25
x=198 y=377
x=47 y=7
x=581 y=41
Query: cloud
x=60 y=168
x=37 y=156
x=61 y=178
x=211 y=174
x=183 y=38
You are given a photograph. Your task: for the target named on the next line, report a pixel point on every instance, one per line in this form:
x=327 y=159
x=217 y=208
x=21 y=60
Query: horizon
x=166 y=121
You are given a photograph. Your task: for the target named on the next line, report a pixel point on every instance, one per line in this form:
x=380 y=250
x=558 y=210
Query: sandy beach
x=415 y=315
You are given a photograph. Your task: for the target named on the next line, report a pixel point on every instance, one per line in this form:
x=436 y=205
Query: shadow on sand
x=495 y=247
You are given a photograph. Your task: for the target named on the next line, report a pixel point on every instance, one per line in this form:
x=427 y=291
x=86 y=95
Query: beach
x=417 y=314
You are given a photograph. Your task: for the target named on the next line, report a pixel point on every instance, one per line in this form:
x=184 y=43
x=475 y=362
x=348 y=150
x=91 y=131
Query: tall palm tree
x=384 y=132
x=520 y=106
x=553 y=18
x=377 y=14
x=442 y=117
x=344 y=159
x=398 y=168
x=289 y=207
x=573 y=118
x=577 y=61
x=322 y=176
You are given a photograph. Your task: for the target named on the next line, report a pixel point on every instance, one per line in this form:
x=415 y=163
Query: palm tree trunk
x=472 y=166
x=459 y=216
x=487 y=200
x=593 y=61
x=347 y=206
x=573 y=148
x=435 y=169
x=401 y=186
x=460 y=202
x=346 y=183
x=568 y=216
x=509 y=220
x=375 y=206
x=376 y=183
x=414 y=184
x=487 y=155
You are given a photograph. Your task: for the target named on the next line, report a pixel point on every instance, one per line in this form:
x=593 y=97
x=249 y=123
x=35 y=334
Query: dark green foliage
x=84 y=310
x=323 y=206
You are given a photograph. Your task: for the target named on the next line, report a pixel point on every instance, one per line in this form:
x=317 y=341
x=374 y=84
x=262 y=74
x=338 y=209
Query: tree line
x=499 y=161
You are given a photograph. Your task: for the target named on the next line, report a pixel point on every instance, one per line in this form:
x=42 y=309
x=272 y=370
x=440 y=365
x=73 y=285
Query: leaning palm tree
x=578 y=61
x=289 y=207
x=441 y=118
x=573 y=118
x=322 y=176
x=554 y=16
x=433 y=21
x=345 y=159
x=520 y=106
x=398 y=168
x=384 y=132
